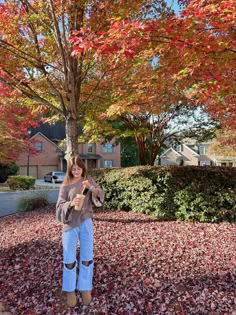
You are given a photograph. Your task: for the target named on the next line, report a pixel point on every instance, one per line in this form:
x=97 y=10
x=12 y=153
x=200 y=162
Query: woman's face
x=76 y=171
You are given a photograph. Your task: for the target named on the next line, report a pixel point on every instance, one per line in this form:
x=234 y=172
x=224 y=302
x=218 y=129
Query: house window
x=230 y=164
x=107 y=163
x=202 y=149
x=179 y=148
x=107 y=148
x=39 y=146
x=205 y=163
x=90 y=147
x=223 y=164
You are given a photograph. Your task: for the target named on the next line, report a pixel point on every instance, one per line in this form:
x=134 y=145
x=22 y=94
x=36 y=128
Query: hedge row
x=204 y=194
x=20 y=182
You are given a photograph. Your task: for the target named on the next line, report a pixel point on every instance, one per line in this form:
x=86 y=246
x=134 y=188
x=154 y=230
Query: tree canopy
x=194 y=51
x=37 y=60
x=16 y=118
x=83 y=60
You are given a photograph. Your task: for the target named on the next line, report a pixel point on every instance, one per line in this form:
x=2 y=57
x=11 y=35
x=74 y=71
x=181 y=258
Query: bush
x=7 y=170
x=199 y=206
x=29 y=204
x=169 y=193
x=21 y=182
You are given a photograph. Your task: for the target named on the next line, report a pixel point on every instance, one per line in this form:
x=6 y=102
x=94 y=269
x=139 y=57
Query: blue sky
x=173 y=4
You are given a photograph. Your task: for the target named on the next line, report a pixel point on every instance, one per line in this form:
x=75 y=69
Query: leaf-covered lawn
x=142 y=266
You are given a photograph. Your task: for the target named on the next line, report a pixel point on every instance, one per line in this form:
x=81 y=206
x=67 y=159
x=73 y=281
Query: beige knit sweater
x=67 y=215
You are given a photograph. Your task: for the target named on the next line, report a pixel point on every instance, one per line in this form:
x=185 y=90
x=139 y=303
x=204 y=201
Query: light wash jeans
x=70 y=238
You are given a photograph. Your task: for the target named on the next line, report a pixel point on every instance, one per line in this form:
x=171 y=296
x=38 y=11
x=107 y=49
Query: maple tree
x=205 y=36
x=203 y=39
x=36 y=54
x=195 y=50
x=16 y=118
x=224 y=144
x=37 y=60
x=150 y=107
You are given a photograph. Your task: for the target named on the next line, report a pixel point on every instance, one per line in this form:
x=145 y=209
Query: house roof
x=204 y=158
x=193 y=151
x=55 y=132
x=91 y=156
x=171 y=149
x=179 y=153
x=41 y=134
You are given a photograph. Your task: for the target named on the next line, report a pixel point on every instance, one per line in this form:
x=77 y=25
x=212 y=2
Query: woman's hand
x=88 y=185
x=76 y=201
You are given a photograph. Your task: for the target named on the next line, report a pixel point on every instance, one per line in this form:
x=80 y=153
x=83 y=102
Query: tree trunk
x=142 y=150
x=71 y=137
x=154 y=152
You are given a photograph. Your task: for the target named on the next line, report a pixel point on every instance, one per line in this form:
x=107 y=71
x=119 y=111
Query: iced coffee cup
x=82 y=197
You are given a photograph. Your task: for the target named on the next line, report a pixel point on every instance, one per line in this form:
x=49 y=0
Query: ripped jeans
x=70 y=238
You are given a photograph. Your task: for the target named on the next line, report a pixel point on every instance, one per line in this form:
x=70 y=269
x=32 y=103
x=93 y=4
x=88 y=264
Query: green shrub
x=7 y=170
x=199 y=206
x=169 y=193
x=29 y=204
x=21 y=182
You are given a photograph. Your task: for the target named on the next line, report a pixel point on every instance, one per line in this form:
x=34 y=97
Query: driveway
x=42 y=183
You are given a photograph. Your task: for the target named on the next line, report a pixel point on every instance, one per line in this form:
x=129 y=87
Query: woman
x=77 y=226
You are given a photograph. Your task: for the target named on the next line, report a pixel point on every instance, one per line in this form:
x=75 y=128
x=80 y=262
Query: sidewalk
x=10 y=199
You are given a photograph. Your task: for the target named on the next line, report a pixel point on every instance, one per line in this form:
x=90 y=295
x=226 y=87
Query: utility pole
x=28 y=158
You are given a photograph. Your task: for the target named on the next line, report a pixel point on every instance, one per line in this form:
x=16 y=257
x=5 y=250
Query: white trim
x=171 y=149
x=194 y=153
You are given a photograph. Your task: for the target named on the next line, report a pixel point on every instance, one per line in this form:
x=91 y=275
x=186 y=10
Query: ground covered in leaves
x=142 y=266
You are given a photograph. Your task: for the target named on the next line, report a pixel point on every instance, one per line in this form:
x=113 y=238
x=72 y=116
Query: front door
x=91 y=164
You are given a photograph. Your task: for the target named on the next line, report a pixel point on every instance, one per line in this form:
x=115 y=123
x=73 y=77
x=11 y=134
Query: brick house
x=50 y=156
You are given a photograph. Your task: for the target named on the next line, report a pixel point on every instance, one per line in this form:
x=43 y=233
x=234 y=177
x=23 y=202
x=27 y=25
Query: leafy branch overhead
x=188 y=57
x=85 y=61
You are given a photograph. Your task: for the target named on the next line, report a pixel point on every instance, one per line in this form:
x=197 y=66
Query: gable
x=170 y=151
x=42 y=138
x=191 y=151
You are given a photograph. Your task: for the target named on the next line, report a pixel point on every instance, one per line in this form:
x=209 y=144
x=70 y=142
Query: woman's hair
x=75 y=160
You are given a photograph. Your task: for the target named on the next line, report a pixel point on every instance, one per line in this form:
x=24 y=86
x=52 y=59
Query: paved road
x=42 y=183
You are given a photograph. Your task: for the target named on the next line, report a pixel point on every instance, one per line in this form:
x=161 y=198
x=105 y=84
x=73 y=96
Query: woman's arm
x=96 y=190
x=64 y=208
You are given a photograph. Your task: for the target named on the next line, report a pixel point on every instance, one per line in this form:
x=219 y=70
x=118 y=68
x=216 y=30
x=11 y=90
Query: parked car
x=54 y=177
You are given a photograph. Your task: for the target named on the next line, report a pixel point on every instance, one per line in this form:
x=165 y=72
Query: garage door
x=48 y=168
x=33 y=171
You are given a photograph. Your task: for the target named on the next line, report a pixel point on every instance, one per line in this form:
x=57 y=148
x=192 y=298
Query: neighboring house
x=97 y=155
x=50 y=157
x=194 y=154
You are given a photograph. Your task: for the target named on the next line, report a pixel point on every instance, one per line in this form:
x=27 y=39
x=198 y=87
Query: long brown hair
x=75 y=160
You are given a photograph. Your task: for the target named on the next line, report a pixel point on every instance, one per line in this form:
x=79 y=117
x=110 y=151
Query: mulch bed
x=142 y=266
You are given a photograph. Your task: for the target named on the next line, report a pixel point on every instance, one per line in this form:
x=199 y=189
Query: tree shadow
x=194 y=295
x=30 y=275
x=124 y=279
x=135 y=217
x=128 y=221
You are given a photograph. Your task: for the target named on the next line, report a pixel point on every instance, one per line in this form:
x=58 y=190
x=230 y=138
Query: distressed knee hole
x=70 y=266
x=87 y=263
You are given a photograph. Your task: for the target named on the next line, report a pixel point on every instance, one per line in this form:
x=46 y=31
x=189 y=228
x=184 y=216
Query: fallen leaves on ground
x=142 y=266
